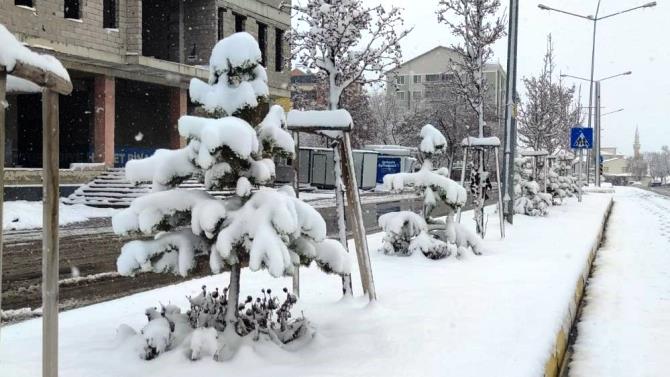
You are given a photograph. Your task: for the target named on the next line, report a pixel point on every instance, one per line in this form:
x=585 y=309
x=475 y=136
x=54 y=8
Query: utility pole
x=510 y=113
x=597 y=143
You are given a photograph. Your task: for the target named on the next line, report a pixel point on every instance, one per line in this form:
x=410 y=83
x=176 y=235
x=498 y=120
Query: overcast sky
x=636 y=41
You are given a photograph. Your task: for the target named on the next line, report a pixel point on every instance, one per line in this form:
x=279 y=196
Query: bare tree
x=347 y=42
x=389 y=118
x=478 y=26
x=546 y=115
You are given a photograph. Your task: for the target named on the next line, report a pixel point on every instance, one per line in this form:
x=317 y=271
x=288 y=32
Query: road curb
x=559 y=359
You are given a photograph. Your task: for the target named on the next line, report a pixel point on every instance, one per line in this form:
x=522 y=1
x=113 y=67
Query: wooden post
x=501 y=215
x=356 y=211
x=50 y=234
x=465 y=162
x=296 y=185
x=3 y=87
x=347 y=289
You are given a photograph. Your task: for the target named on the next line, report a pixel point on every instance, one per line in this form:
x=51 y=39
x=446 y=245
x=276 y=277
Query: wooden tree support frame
x=501 y=215
x=52 y=85
x=354 y=207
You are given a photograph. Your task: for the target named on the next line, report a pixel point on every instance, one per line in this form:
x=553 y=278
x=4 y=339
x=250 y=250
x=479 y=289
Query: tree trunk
x=233 y=295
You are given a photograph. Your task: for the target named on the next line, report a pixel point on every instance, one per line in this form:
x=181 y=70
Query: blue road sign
x=387 y=165
x=581 y=138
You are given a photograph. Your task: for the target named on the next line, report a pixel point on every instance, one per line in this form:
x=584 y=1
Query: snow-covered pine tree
x=232 y=147
x=478 y=26
x=407 y=232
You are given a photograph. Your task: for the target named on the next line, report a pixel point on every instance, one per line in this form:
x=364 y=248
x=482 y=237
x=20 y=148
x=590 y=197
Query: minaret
x=636 y=145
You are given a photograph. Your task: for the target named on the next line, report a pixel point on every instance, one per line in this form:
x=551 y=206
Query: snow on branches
x=477 y=25
x=346 y=41
x=231 y=147
x=236 y=77
x=407 y=232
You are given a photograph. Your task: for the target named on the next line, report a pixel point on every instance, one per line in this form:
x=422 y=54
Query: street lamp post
x=597 y=121
x=595 y=18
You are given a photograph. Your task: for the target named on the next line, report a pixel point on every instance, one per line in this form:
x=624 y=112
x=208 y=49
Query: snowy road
x=625 y=327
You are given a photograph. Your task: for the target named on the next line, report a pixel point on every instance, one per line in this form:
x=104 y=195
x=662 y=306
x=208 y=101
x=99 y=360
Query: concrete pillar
x=178 y=107
x=103 y=133
x=133 y=25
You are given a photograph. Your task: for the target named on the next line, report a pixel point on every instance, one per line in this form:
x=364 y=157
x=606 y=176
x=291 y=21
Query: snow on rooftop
x=481 y=141
x=324 y=118
x=13 y=51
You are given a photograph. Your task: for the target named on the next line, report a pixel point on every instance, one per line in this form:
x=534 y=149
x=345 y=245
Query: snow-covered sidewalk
x=625 y=326
x=22 y=214
x=494 y=315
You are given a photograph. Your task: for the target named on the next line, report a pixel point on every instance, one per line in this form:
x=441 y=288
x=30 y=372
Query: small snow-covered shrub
x=528 y=200
x=400 y=228
x=407 y=232
x=203 y=327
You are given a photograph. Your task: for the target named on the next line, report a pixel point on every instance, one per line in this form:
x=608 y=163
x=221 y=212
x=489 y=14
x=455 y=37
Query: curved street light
x=595 y=18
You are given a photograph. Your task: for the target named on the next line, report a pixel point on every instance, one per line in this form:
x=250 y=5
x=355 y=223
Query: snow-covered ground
x=22 y=214
x=625 y=326
x=494 y=315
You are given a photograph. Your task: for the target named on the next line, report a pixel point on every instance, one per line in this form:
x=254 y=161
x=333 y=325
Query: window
x=401 y=95
x=433 y=78
x=109 y=15
x=221 y=13
x=417 y=79
x=400 y=80
x=240 y=23
x=263 y=42
x=25 y=3
x=71 y=9
x=279 y=50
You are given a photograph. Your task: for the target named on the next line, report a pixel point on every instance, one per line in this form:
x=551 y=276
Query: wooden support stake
x=465 y=163
x=296 y=185
x=501 y=215
x=3 y=91
x=50 y=234
x=347 y=289
x=356 y=212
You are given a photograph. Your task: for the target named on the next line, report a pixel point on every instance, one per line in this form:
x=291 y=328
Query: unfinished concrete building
x=130 y=62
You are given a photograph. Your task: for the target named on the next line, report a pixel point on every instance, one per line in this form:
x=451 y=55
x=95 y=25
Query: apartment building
x=412 y=82
x=130 y=62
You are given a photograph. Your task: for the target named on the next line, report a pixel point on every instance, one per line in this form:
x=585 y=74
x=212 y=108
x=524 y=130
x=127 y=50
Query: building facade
x=131 y=62
x=412 y=81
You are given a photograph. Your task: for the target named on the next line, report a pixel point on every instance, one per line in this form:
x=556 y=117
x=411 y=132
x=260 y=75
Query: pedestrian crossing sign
x=581 y=138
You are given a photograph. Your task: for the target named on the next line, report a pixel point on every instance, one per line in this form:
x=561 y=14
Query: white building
x=409 y=81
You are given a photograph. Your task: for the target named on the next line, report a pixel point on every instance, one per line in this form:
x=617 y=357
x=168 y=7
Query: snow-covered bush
x=407 y=232
x=231 y=146
x=528 y=198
